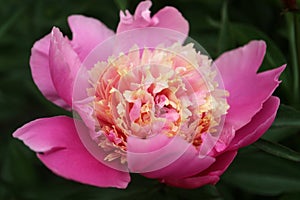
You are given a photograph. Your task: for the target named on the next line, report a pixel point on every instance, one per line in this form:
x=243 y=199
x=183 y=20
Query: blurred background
x=269 y=169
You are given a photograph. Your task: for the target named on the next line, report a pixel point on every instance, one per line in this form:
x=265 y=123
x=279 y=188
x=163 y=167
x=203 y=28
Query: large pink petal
x=192 y=182
x=208 y=176
x=60 y=149
x=154 y=153
x=64 y=64
x=258 y=125
x=222 y=163
x=39 y=63
x=168 y=18
x=87 y=34
x=171 y=18
x=189 y=164
x=248 y=90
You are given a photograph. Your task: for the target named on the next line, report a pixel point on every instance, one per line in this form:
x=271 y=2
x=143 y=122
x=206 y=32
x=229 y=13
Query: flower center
x=148 y=92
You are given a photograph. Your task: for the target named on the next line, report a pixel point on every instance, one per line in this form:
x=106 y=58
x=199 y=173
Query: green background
x=269 y=169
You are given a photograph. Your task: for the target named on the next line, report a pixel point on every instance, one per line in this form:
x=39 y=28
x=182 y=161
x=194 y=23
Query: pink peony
x=144 y=102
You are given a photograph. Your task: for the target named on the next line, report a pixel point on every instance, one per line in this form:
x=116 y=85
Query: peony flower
x=145 y=101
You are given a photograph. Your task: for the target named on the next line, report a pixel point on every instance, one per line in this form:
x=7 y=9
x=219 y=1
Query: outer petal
x=64 y=64
x=39 y=63
x=171 y=18
x=153 y=153
x=60 y=149
x=209 y=176
x=189 y=164
x=168 y=17
x=258 y=125
x=192 y=182
x=87 y=34
x=248 y=90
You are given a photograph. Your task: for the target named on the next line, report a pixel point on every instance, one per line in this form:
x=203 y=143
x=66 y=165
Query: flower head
x=146 y=102
x=145 y=93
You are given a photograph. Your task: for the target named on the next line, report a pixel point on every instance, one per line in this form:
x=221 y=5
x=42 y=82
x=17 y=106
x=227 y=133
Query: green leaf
x=243 y=33
x=142 y=188
x=225 y=40
x=277 y=150
x=18 y=168
x=3 y=190
x=10 y=22
x=279 y=133
x=286 y=124
x=225 y=37
x=122 y=4
x=291 y=196
x=207 y=192
x=294 y=42
x=260 y=173
x=287 y=116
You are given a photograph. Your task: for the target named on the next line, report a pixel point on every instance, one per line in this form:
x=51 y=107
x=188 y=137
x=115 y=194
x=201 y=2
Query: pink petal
x=142 y=14
x=87 y=34
x=58 y=146
x=171 y=18
x=64 y=64
x=248 y=90
x=209 y=176
x=168 y=18
x=243 y=59
x=189 y=164
x=259 y=124
x=139 y=145
x=39 y=63
x=154 y=153
x=135 y=110
x=225 y=138
x=222 y=163
x=192 y=182
x=140 y=19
